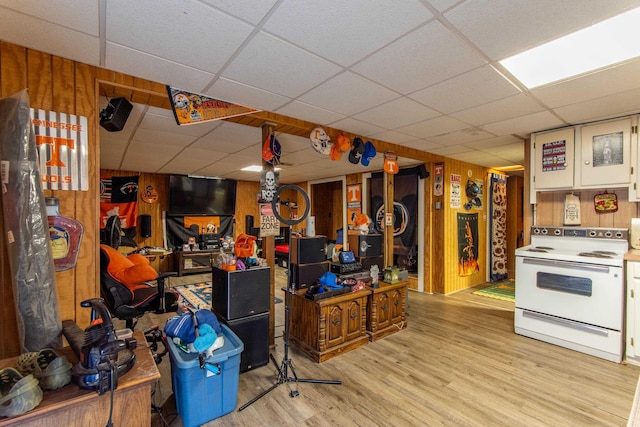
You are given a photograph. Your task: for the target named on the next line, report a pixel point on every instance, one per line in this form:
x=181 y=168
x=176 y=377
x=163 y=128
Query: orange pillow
x=126 y=271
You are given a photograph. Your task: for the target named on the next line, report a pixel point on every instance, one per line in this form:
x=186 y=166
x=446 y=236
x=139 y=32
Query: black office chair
x=131 y=287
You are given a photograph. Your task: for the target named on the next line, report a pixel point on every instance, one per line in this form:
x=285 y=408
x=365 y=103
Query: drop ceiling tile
x=601 y=108
x=357 y=127
x=345 y=31
x=495 y=142
x=538 y=22
x=161 y=120
x=231 y=137
x=437 y=126
x=393 y=137
x=276 y=66
x=594 y=85
x=397 y=113
x=519 y=125
x=137 y=158
x=191 y=159
x=84 y=17
x=292 y=143
x=129 y=61
x=460 y=137
x=348 y=94
x=450 y=150
x=49 y=38
x=516 y=148
x=443 y=5
x=161 y=140
x=426 y=56
x=238 y=93
x=422 y=144
x=467 y=90
x=310 y=113
x=475 y=157
x=513 y=106
x=248 y=10
x=206 y=38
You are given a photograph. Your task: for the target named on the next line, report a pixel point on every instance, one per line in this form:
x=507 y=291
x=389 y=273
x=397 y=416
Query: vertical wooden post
x=268 y=245
x=388 y=210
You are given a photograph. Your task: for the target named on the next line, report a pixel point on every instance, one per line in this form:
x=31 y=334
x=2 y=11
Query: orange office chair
x=126 y=289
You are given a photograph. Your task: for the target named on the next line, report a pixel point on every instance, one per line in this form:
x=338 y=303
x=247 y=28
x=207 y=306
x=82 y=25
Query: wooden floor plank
x=459 y=363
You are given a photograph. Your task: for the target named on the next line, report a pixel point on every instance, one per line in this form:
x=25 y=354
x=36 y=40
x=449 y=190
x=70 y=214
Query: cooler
x=200 y=395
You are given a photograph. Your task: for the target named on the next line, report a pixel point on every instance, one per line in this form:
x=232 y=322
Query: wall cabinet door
x=605 y=154
x=552 y=159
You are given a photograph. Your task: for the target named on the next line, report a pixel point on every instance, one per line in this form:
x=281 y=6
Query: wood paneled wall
x=56 y=84
x=550 y=208
x=451 y=281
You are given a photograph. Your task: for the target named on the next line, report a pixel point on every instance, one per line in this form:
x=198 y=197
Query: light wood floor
x=459 y=363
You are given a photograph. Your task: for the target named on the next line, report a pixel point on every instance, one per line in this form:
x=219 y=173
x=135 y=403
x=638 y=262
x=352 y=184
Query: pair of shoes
x=51 y=370
x=18 y=394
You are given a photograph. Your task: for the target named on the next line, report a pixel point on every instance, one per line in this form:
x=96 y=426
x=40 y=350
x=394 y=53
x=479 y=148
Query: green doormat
x=505 y=290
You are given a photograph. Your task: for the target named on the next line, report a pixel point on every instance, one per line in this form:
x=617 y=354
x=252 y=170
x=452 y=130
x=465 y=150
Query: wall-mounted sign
x=189 y=108
x=438 y=181
x=455 y=188
x=62 y=143
x=554 y=156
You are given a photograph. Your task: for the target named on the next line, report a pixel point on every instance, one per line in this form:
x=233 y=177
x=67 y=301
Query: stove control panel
x=593 y=233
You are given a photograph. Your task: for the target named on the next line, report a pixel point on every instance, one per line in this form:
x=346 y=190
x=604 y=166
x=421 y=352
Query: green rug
x=505 y=290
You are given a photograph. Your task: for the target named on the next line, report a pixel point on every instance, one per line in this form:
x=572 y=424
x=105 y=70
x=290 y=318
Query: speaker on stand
x=286 y=365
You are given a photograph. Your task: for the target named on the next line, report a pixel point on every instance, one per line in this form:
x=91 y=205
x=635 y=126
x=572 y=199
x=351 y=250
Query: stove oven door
x=580 y=292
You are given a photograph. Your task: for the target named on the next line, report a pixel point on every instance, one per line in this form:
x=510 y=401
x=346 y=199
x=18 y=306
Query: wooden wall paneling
x=13 y=78
x=437 y=235
x=246 y=204
x=514 y=220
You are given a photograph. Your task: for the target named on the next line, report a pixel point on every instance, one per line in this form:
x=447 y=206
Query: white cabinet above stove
x=591 y=156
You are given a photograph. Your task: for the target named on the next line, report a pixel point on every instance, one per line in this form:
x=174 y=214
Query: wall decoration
x=608 y=149
x=269 y=224
x=468 y=244
x=189 y=108
x=149 y=195
x=554 y=156
x=455 y=189
x=438 y=181
x=354 y=202
x=62 y=144
x=119 y=196
x=498 y=227
x=269 y=181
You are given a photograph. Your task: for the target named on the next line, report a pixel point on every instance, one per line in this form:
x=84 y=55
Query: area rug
x=505 y=290
x=198 y=295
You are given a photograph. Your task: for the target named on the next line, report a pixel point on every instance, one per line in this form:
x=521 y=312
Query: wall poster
x=468 y=244
x=455 y=184
x=554 y=156
x=354 y=202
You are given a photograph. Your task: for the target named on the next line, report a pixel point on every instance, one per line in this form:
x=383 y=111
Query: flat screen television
x=201 y=196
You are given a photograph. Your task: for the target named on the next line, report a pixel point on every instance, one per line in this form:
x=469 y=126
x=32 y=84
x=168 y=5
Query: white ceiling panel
x=348 y=93
x=150 y=26
x=467 y=90
x=416 y=73
x=399 y=112
x=248 y=10
x=246 y=95
x=265 y=59
x=130 y=61
x=324 y=27
x=426 y=56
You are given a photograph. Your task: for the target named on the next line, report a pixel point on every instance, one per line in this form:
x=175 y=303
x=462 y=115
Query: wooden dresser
x=73 y=406
x=386 y=309
x=328 y=327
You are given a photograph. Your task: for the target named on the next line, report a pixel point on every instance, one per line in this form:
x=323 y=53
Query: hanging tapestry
x=498 y=228
x=119 y=196
x=468 y=244
x=180 y=228
x=405 y=215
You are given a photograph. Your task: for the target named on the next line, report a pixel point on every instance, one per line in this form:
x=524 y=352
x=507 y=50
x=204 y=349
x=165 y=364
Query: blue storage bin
x=202 y=396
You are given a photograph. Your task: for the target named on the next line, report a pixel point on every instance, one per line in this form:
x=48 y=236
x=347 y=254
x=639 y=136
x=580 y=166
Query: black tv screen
x=201 y=196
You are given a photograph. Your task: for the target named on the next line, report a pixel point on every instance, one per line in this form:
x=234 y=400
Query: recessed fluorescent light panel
x=608 y=42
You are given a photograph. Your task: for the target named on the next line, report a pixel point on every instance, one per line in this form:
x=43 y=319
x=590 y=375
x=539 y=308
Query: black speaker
x=304 y=275
x=253 y=331
x=115 y=115
x=423 y=172
x=308 y=250
x=368 y=261
x=239 y=293
x=366 y=245
x=248 y=223
x=145 y=225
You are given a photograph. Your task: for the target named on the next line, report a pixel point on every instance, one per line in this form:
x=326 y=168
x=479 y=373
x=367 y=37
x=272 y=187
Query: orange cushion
x=131 y=270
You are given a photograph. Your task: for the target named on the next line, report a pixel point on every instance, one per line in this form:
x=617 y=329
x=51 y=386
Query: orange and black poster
x=354 y=202
x=189 y=108
x=468 y=244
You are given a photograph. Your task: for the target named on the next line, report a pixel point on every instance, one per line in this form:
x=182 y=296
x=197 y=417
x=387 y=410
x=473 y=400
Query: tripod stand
x=286 y=366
